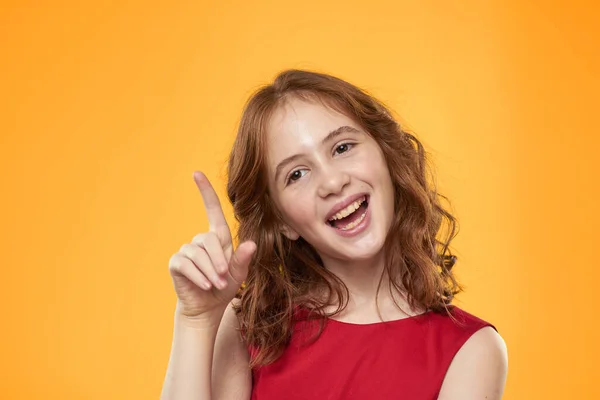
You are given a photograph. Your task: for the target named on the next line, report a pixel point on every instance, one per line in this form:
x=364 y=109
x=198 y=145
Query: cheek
x=381 y=177
x=297 y=210
x=372 y=169
x=386 y=181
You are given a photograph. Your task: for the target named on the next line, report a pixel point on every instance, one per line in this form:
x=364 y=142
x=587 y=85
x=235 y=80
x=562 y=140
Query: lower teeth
x=353 y=224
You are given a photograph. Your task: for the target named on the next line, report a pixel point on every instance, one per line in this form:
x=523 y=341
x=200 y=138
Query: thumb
x=238 y=266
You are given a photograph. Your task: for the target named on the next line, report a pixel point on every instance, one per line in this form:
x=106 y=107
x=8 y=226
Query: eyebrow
x=330 y=136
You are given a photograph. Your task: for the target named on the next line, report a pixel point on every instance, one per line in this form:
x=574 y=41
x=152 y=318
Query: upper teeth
x=348 y=210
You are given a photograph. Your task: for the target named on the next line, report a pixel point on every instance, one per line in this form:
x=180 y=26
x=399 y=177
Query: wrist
x=206 y=320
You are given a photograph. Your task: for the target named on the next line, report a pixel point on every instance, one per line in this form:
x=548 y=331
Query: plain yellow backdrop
x=108 y=107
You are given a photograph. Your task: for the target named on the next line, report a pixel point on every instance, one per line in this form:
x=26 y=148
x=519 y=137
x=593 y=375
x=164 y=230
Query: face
x=329 y=180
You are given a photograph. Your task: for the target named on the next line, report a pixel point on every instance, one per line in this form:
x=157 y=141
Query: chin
x=366 y=249
x=364 y=252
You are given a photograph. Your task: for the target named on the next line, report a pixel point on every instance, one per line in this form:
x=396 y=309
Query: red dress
x=402 y=359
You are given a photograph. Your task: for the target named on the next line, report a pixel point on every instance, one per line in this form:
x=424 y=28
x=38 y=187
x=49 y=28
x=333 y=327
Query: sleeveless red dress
x=402 y=359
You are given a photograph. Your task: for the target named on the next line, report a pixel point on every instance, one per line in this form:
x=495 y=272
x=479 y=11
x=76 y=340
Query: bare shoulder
x=230 y=319
x=479 y=368
x=231 y=375
x=229 y=336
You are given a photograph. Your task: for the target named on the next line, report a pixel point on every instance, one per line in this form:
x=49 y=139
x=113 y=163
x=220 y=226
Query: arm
x=206 y=275
x=188 y=372
x=202 y=345
x=478 y=370
x=231 y=375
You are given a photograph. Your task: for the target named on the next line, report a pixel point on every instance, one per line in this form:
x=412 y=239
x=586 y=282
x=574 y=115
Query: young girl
x=344 y=264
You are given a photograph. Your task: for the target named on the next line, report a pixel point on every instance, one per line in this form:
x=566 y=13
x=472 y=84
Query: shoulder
x=230 y=318
x=467 y=320
x=229 y=329
x=479 y=368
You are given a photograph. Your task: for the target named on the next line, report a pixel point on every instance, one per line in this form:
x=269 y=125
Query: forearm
x=188 y=374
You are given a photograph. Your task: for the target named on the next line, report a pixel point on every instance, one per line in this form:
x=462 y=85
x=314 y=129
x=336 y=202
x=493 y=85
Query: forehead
x=302 y=123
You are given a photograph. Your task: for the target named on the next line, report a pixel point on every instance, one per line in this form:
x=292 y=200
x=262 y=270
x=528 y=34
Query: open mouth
x=350 y=216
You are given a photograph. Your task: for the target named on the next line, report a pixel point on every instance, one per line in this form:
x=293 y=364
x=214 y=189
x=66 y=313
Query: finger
x=238 y=267
x=202 y=261
x=210 y=242
x=185 y=267
x=214 y=211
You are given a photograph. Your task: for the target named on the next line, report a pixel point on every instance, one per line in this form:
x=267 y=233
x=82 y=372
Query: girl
x=344 y=264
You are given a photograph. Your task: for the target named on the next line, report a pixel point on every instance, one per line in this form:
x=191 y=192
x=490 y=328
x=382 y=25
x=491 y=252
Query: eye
x=295 y=175
x=342 y=148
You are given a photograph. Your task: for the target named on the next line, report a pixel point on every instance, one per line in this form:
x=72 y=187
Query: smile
x=350 y=216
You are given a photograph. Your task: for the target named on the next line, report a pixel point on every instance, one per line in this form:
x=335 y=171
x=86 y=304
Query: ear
x=289 y=232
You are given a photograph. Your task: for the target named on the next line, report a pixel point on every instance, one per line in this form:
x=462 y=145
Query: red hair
x=286 y=274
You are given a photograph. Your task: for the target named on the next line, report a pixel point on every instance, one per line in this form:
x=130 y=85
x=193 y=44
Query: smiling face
x=329 y=180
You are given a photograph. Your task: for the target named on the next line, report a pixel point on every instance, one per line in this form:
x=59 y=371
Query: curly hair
x=286 y=274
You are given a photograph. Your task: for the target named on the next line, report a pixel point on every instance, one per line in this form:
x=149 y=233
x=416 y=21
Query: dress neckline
x=390 y=322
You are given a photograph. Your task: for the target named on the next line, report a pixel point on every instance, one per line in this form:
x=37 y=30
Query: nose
x=332 y=181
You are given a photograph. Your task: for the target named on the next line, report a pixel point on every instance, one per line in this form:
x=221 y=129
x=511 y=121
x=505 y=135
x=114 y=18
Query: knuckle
x=187 y=249
x=210 y=242
x=199 y=238
x=223 y=231
x=211 y=237
x=195 y=254
x=175 y=262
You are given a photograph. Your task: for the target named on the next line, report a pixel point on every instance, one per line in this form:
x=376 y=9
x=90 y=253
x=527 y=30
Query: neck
x=366 y=302
x=361 y=277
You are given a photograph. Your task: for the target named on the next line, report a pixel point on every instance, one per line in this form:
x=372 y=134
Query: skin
x=325 y=173
x=328 y=169
x=208 y=357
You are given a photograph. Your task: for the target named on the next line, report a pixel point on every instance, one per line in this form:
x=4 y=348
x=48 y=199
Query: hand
x=207 y=273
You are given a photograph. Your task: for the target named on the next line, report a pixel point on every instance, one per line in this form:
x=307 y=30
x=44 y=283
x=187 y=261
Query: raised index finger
x=214 y=211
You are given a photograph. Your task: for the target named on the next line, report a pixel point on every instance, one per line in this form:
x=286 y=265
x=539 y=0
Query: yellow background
x=108 y=108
